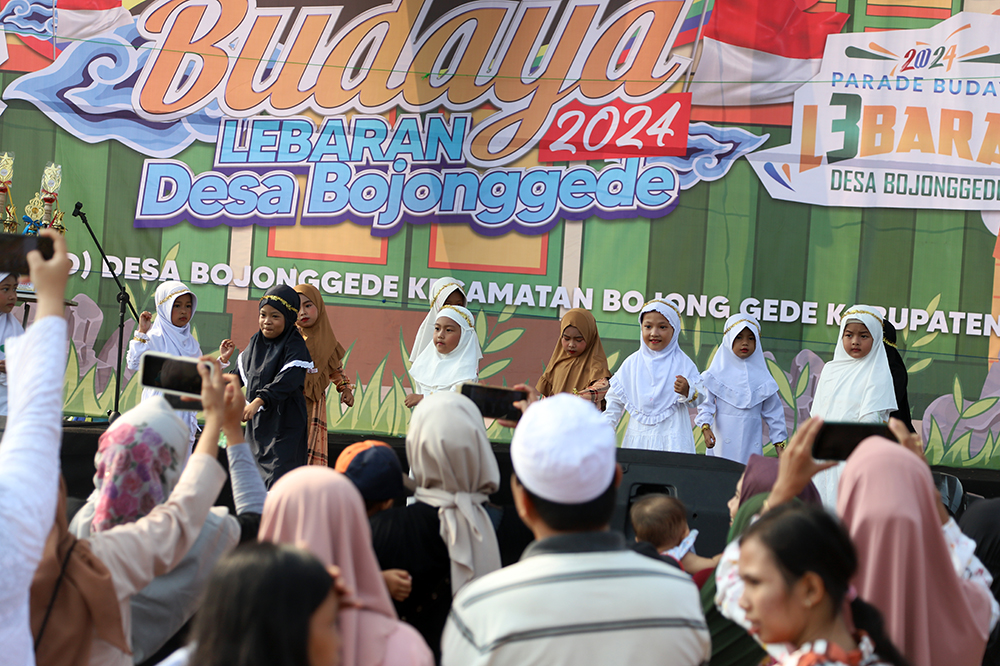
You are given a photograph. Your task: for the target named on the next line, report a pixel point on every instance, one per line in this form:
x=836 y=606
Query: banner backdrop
x=549 y=155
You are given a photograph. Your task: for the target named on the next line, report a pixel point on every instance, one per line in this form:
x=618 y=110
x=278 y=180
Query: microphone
x=76 y=209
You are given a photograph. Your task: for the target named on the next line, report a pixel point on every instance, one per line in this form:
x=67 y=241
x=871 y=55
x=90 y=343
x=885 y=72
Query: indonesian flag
x=84 y=19
x=760 y=51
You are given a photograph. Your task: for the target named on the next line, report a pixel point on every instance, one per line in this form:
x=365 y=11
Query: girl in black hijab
x=273 y=368
x=899 y=376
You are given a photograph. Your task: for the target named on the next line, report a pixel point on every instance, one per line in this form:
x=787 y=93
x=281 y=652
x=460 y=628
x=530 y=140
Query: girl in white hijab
x=655 y=385
x=450 y=358
x=739 y=392
x=856 y=386
x=10 y=327
x=170 y=333
x=444 y=291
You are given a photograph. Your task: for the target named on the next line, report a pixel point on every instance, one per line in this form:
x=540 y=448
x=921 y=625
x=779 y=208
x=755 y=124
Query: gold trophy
x=51 y=182
x=10 y=223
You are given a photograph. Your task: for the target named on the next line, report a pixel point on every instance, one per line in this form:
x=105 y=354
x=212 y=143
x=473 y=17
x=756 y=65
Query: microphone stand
x=123 y=305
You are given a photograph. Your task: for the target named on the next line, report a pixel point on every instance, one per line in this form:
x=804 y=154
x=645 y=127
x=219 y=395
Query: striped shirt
x=578 y=599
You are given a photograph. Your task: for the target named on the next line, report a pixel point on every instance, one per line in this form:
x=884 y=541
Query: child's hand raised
x=145 y=322
x=681 y=386
x=413 y=400
x=226 y=349
x=49 y=277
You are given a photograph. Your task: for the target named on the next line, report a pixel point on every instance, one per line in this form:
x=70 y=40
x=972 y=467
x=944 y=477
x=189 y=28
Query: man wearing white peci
x=578 y=595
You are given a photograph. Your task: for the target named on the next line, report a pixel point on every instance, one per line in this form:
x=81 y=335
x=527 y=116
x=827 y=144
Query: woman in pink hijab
x=907 y=563
x=320 y=510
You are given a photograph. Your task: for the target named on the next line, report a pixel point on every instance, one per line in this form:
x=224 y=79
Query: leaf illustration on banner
x=87 y=91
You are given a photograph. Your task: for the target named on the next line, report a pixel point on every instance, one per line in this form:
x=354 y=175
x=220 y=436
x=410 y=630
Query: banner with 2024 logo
x=898 y=119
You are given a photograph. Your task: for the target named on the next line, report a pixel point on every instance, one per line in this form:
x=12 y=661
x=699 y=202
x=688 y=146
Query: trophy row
x=43 y=209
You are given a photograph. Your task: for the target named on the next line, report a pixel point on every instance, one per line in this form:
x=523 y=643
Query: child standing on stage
x=449 y=359
x=655 y=385
x=739 y=392
x=171 y=334
x=856 y=386
x=328 y=358
x=10 y=327
x=444 y=291
x=273 y=368
x=578 y=364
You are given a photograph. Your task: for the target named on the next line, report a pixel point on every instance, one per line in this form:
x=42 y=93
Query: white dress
x=738 y=432
x=674 y=433
x=10 y=328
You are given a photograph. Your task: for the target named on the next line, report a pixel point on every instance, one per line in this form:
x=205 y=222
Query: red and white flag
x=83 y=19
x=760 y=51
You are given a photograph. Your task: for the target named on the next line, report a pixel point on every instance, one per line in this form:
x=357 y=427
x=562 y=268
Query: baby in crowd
x=661 y=520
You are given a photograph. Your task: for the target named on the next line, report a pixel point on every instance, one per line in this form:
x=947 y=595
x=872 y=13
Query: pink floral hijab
x=139 y=460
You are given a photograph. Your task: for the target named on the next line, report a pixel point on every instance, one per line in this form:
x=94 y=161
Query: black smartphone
x=495 y=402
x=14 y=249
x=174 y=375
x=836 y=441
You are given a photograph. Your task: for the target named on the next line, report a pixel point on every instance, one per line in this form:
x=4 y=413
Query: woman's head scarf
x=139 y=460
x=645 y=380
x=438 y=371
x=888 y=504
x=760 y=475
x=327 y=354
x=438 y=294
x=264 y=358
x=743 y=383
x=163 y=335
x=320 y=510
x=456 y=471
x=566 y=372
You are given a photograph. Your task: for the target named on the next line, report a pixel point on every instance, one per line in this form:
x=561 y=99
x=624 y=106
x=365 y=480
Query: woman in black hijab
x=899 y=376
x=273 y=368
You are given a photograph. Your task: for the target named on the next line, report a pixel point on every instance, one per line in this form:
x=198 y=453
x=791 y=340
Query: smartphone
x=836 y=441
x=14 y=249
x=495 y=402
x=174 y=375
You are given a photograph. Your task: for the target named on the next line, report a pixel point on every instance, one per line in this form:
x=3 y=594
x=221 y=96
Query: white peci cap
x=564 y=450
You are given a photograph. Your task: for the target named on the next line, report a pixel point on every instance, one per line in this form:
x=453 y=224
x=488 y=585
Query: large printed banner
x=897 y=119
x=549 y=155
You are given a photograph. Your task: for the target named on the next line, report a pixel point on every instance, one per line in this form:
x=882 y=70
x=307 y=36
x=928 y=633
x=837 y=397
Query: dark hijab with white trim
x=899 y=375
x=264 y=358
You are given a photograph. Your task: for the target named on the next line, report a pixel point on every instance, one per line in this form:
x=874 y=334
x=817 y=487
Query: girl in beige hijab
x=328 y=360
x=578 y=362
x=319 y=509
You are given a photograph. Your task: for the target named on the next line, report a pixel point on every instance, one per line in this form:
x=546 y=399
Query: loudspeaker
x=703 y=483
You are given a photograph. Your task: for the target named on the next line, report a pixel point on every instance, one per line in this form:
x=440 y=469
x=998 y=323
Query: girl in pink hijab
x=926 y=581
x=321 y=510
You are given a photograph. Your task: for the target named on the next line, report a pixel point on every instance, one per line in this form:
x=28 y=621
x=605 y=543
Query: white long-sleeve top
x=673 y=433
x=29 y=474
x=738 y=432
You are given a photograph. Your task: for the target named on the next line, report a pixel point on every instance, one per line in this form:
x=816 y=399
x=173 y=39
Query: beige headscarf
x=320 y=510
x=566 y=372
x=455 y=470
